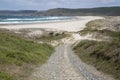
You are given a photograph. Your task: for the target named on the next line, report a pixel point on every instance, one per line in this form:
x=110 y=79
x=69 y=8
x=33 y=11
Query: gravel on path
x=65 y=65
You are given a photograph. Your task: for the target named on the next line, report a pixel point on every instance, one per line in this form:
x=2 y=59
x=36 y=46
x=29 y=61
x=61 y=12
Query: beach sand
x=68 y=25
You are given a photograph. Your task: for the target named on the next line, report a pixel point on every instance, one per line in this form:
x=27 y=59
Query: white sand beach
x=69 y=25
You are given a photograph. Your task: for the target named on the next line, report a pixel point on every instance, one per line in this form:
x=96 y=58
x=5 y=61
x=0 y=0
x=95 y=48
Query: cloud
x=57 y=2
x=47 y=4
x=23 y=2
x=107 y=1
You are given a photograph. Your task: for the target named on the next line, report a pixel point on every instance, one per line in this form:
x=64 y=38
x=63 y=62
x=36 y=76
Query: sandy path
x=65 y=65
x=70 y=25
x=59 y=67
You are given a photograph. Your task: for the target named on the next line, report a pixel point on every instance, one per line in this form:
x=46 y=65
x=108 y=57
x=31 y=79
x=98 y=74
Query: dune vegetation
x=52 y=37
x=17 y=55
x=104 y=55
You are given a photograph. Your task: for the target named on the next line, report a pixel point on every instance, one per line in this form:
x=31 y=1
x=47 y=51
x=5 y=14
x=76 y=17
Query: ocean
x=31 y=19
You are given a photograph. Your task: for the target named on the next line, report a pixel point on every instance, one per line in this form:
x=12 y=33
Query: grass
x=15 y=50
x=48 y=38
x=95 y=23
x=95 y=28
x=105 y=56
x=113 y=34
x=92 y=26
x=5 y=76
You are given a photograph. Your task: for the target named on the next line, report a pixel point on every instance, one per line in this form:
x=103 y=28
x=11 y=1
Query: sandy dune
x=69 y=25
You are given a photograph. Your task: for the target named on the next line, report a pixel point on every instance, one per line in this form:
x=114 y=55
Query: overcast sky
x=48 y=4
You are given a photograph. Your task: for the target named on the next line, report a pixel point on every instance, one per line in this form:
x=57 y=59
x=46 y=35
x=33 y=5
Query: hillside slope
x=104 y=55
x=18 y=55
x=102 y=11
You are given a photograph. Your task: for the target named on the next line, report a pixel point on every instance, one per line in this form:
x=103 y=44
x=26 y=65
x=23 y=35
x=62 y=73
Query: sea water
x=31 y=19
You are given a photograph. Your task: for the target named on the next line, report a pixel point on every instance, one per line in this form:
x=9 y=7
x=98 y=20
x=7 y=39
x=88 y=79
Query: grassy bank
x=18 y=54
x=103 y=28
x=105 y=56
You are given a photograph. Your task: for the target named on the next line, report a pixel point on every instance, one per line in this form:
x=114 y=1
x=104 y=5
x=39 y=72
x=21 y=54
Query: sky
x=49 y=4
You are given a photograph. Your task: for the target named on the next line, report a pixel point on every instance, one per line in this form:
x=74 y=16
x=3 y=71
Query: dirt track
x=64 y=65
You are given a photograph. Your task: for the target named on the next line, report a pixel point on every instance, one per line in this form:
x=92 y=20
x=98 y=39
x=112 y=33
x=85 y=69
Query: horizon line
x=56 y=8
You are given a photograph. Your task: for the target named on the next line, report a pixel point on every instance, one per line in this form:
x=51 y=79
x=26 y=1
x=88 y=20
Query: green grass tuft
x=5 y=76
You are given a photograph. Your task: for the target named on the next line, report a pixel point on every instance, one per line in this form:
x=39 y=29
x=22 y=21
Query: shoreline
x=71 y=25
x=40 y=21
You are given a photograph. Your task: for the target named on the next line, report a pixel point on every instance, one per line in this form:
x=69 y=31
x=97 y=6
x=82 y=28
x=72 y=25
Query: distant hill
x=17 y=13
x=101 y=11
